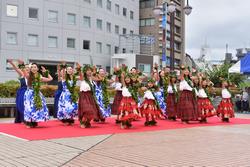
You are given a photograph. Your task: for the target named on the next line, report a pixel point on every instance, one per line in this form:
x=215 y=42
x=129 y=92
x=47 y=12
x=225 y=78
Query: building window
x=147 y=4
x=86 y=45
x=177 y=46
x=71 y=43
x=108 y=27
x=123 y=50
x=145 y=68
x=11 y=10
x=117 y=9
x=33 y=13
x=52 y=16
x=108 y=49
x=109 y=5
x=86 y=22
x=124 y=31
x=71 y=18
x=32 y=40
x=99 y=24
x=178 y=13
x=131 y=32
x=117 y=29
x=99 y=3
x=177 y=29
x=98 y=47
x=52 y=42
x=124 y=12
x=131 y=15
x=88 y=1
x=116 y=49
x=147 y=22
x=150 y=22
x=12 y=38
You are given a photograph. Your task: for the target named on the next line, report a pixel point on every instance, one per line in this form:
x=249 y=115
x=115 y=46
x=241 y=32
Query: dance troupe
x=164 y=95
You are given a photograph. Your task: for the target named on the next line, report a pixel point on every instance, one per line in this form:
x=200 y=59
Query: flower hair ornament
x=86 y=68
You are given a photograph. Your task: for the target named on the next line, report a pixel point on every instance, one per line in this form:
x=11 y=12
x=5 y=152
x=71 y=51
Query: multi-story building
x=51 y=31
x=152 y=25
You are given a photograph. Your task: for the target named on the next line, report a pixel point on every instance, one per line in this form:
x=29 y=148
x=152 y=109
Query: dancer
x=150 y=107
x=117 y=99
x=88 y=108
x=172 y=97
x=59 y=88
x=101 y=85
x=205 y=106
x=35 y=109
x=187 y=104
x=67 y=104
x=128 y=107
x=161 y=92
x=23 y=71
x=225 y=109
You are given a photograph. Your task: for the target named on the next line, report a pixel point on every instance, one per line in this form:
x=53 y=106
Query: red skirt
x=225 y=108
x=149 y=108
x=206 y=108
x=171 y=105
x=187 y=107
x=128 y=109
x=116 y=103
x=87 y=107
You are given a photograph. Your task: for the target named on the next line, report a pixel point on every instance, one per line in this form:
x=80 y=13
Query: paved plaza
x=215 y=146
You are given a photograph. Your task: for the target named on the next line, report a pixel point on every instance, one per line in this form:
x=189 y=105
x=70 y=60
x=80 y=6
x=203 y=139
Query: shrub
x=9 y=89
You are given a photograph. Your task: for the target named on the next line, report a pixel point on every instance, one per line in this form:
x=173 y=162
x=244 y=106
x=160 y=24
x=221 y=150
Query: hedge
x=9 y=89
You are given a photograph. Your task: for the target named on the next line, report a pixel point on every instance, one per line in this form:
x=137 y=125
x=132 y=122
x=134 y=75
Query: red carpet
x=55 y=129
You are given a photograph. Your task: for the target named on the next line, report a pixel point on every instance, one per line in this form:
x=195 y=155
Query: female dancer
x=150 y=107
x=59 y=88
x=162 y=83
x=67 y=104
x=225 y=109
x=101 y=82
x=187 y=104
x=23 y=72
x=172 y=97
x=88 y=108
x=35 y=109
x=117 y=99
x=128 y=107
x=205 y=106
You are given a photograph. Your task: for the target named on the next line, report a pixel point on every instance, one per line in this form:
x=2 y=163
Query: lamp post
x=164 y=9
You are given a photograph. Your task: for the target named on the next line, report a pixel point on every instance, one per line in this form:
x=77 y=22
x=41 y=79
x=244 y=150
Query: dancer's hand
x=20 y=61
x=43 y=69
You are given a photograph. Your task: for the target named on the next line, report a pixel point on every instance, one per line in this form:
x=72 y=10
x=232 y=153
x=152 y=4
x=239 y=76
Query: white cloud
x=221 y=22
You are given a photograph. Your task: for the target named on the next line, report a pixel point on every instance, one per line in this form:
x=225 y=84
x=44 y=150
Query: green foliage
x=9 y=88
x=218 y=73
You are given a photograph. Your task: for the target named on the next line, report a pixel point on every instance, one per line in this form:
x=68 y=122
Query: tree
x=218 y=73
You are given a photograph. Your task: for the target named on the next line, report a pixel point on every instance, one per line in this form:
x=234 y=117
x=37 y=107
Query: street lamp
x=164 y=9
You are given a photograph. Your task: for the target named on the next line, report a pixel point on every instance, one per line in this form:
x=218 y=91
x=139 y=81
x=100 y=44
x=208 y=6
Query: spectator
x=245 y=103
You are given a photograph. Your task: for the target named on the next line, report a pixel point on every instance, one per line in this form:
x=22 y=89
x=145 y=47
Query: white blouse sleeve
x=84 y=87
x=202 y=93
x=226 y=94
x=149 y=95
x=125 y=92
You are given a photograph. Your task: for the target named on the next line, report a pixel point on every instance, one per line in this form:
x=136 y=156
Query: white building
x=49 y=31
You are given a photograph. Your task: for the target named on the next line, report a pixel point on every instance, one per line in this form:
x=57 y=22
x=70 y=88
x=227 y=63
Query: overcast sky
x=219 y=22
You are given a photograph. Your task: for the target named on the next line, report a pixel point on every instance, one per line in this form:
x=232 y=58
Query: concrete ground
x=217 y=146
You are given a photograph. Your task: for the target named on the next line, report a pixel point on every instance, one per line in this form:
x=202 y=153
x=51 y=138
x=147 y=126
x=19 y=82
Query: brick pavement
x=217 y=146
x=222 y=146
